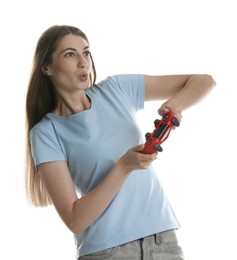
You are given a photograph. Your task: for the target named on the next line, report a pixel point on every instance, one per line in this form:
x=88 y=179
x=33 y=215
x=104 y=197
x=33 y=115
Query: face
x=71 y=64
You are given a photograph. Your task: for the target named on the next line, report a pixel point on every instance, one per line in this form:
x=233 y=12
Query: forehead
x=72 y=41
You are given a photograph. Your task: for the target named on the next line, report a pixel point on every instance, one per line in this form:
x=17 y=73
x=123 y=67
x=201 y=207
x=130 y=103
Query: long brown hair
x=41 y=99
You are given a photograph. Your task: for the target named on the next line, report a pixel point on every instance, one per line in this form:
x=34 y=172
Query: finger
x=138 y=148
x=148 y=157
x=147 y=164
x=162 y=110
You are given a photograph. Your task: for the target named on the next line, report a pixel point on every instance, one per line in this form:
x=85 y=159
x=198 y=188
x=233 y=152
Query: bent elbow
x=75 y=228
x=204 y=82
x=209 y=80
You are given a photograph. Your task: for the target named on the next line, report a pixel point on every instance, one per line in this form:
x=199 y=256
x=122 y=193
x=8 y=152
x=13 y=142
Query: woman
x=83 y=138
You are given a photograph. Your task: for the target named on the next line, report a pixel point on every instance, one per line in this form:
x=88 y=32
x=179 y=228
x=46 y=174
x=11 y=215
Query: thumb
x=138 y=148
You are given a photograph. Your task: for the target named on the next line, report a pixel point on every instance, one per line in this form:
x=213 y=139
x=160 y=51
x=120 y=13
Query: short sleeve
x=45 y=147
x=133 y=85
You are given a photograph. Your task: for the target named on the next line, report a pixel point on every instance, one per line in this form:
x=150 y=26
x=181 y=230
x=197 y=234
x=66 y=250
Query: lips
x=84 y=77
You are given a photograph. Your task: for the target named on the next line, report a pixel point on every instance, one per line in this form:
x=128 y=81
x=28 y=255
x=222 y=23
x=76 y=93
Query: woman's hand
x=135 y=160
x=166 y=109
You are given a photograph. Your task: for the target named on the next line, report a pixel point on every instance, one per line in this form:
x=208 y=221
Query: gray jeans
x=161 y=246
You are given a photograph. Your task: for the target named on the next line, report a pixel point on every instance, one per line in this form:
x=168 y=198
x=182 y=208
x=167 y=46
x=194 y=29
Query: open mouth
x=84 y=77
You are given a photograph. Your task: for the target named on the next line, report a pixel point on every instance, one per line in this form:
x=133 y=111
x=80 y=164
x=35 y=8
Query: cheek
x=62 y=68
x=62 y=74
x=90 y=66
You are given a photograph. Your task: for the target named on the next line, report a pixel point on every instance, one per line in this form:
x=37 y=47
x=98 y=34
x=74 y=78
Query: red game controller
x=160 y=134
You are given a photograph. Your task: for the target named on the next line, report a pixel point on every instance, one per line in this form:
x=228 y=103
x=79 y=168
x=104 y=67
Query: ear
x=46 y=70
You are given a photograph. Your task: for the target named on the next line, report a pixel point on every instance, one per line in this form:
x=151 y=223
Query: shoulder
x=44 y=126
x=122 y=82
x=121 y=78
x=45 y=145
x=123 y=87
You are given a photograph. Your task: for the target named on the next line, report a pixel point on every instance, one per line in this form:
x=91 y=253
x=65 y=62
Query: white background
x=198 y=165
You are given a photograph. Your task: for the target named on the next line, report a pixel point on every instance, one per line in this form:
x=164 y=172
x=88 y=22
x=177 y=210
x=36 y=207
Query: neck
x=68 y=106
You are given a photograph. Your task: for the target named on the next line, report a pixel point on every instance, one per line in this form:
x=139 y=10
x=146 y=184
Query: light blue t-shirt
x=91 y=142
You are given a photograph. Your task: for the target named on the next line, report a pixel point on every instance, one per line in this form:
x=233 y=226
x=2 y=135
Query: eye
x=70 y=54
x=87 y=54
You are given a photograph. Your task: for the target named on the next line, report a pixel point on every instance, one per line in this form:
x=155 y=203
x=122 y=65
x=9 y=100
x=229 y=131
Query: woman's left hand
x=166 y=109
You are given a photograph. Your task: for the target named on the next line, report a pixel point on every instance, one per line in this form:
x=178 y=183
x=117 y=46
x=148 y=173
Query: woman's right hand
x=135 y=160
x=80 y=213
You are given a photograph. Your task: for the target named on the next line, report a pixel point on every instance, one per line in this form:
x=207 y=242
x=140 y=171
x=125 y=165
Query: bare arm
x=179 y=91
x=79 y=214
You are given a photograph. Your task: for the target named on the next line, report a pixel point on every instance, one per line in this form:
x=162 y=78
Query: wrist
x=122 y=167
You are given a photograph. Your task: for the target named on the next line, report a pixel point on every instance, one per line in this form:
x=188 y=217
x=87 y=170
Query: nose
x=81 y=62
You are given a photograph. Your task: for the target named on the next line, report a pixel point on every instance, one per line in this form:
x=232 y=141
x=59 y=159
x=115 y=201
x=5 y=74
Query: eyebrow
x=73 y=49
